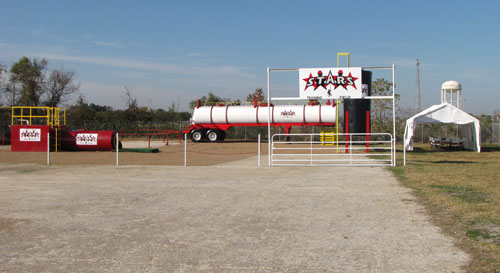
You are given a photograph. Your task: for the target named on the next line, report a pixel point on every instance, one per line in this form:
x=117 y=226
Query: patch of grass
x=480 y=234
x=461 y=192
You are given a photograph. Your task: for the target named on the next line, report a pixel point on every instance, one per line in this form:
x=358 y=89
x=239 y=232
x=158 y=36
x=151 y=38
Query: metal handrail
x=51 y=116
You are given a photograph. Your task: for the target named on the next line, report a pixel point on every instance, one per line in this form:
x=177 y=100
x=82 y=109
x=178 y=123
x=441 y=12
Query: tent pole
x=404 y=144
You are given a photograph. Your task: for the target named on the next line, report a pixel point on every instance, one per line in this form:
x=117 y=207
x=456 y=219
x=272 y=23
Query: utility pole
x=418 y=106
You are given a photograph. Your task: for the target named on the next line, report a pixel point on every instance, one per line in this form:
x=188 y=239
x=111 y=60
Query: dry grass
x=461 y=190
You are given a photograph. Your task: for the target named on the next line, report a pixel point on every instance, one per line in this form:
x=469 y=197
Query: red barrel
x=82 y=140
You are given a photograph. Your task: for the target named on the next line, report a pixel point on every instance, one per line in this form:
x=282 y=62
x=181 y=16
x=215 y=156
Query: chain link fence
x=495 y=133
x=490 y=128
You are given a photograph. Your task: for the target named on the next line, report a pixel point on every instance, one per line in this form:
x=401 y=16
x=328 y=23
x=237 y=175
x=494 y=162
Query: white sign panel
x=86 y=139
x=330 y=83
x=28 y=134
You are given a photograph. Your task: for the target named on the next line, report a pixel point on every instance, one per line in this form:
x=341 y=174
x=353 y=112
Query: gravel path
x=233 y=217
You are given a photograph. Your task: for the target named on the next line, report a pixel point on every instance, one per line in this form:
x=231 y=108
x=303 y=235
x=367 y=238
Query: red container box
x=30 y=138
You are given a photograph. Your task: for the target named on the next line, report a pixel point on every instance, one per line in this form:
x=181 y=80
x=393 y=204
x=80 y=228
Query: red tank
x=82 y=140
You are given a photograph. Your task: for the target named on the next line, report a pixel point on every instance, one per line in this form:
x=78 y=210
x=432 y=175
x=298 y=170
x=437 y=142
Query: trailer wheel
x=196 y=135
x=213 y=135
x=222 y=135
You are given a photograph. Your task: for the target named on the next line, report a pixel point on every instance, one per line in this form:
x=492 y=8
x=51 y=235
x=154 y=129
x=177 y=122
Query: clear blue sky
x=169 y=49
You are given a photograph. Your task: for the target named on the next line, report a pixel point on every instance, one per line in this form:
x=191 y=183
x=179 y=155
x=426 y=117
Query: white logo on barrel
x=26 y=134
x=86 y=139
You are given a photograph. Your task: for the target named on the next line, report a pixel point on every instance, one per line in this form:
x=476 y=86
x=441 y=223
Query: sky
x=176 y=51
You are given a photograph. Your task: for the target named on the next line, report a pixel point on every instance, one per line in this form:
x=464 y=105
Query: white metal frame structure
x=353 y=150
x=392 y=97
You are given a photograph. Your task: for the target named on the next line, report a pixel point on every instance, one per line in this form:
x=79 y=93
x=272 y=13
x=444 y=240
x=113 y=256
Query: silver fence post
x=312 y=147
x=185 y=150
x=350 y=149
x=258 y=157
x=48 y=149
x=269 y=137
x=117 y=147
x=404 y=150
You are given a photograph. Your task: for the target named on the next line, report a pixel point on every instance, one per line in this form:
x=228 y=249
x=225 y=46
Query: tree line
x=90 y=116
x=31 y=83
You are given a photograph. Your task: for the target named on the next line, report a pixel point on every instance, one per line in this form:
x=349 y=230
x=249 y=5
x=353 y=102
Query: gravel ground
x=232 y=217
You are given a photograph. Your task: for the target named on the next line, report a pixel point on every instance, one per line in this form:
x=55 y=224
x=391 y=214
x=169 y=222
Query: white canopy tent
x=445 y=113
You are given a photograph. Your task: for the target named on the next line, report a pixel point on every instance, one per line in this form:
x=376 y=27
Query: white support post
x=258 y=149
x=311 y=140
x=394 y=110
x=269 y=114
x=48 y=149
x=404 y=148
x=350 y=148
x=185 y=150
x=117 y=147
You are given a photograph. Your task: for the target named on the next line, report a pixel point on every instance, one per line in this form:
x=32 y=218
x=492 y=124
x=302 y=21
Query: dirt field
x=230 y=217
x=199 y=154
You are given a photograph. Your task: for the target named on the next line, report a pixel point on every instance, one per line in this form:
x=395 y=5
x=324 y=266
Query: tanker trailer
x=210 y=122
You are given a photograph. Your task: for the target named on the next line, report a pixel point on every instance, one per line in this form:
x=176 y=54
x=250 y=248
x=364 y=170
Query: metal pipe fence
x=354 y=149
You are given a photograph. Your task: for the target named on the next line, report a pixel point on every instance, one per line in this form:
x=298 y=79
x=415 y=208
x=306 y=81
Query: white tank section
x=451 y=85
x=279 y=114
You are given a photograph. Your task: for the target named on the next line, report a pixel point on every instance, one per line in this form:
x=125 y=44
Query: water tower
x=451 y=92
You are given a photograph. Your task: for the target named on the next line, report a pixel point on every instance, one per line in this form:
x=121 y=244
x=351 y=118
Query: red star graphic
x=353 y=81
x=307 y=81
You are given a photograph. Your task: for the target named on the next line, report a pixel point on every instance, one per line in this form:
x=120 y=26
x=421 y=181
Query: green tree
x=3 y=71
x=257 y=95
x=60 y=84
x=171 y=109
x=30 y=84
x=210 y=100
x=130 y=100
x=30 y=76
x=382 y=108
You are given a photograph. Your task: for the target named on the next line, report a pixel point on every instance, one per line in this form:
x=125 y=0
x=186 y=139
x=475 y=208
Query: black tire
x=196 y=135
x=213 y=135
x=222 y=135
